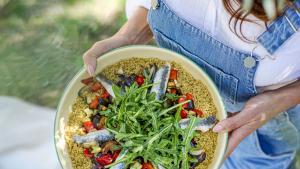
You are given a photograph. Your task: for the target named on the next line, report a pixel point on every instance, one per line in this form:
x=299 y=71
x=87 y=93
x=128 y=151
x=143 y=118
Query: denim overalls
x=272 y=146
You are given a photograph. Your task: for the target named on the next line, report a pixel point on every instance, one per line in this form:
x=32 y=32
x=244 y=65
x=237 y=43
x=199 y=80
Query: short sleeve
x=131 y=6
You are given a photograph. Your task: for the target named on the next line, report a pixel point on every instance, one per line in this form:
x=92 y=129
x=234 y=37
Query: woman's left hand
x=257 y=111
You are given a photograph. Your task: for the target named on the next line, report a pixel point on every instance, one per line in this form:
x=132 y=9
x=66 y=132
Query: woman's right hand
x=99 y=48
x=135 y=31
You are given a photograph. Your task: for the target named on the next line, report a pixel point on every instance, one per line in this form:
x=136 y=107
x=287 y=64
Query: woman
x=253 y=60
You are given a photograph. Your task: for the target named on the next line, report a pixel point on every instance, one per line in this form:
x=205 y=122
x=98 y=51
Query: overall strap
x=281 y=29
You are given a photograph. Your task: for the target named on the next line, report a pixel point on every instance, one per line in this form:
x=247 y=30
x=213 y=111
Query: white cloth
x=27 y=140
x=211 y=16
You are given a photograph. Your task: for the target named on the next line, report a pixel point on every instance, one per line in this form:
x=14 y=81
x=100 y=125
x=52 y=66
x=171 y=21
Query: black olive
x=95 y=120
x=128 y=81
x=191 y=105
x=110 y=99
x=95 y=162
x=132 y=76
x=103 y=102
x=153 y=70
x=201 y=157
x=121 y=77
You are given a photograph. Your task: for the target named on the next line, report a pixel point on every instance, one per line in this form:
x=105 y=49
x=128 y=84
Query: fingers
x=235 y=138
x=90 y=57
x=229 y=124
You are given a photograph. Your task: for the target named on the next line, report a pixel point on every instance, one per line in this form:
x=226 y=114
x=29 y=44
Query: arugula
x=146 y=128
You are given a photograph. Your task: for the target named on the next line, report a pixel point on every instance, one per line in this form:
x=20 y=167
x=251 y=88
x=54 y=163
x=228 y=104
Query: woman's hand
x=100 y=48
x=135 y=31
x=257 y=111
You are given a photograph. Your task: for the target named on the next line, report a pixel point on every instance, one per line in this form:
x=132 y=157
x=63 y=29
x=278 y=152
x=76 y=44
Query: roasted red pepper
x=87 y=81
x=173 y=91
x=139 y=80
x=88 y=125
x=147 y=166
x=173 y=74
x=94 y=103
x=104 y=159
x=183 y=114
x=96 y=86
x=198 y=112
x=189 y=96
x=105 y=95
x=116 y=154
x=87 y=153
x=182 y=99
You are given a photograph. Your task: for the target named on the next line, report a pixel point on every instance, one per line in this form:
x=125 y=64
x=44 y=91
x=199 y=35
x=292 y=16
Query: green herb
x=145 y=128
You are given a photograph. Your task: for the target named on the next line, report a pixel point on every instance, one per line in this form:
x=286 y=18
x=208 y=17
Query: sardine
x=100 y=136
x=202 y=124
x=106 y=83
x=160 y=81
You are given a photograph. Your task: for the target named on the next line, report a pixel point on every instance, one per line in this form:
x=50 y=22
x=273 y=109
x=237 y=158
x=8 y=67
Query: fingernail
x=90 y=70
x=218 y=128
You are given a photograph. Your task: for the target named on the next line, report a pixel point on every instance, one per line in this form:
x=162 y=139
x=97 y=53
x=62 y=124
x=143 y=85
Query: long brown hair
x=238 y=15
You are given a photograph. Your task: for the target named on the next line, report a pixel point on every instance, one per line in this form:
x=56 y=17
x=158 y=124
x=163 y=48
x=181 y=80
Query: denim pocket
x=227 y=84
x=278 y=137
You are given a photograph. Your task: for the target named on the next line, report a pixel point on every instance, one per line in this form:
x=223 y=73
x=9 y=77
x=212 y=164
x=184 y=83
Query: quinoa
x=187 y=84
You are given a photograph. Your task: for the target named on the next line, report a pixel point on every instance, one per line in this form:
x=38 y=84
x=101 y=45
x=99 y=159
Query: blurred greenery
x=41 y=44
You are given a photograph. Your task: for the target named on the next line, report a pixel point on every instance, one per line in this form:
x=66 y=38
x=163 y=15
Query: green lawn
x=41 y=44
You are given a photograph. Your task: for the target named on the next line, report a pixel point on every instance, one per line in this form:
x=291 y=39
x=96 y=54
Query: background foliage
x=42 y=41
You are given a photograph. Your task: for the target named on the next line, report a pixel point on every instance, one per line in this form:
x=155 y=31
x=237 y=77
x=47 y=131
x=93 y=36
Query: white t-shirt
x=211 y=17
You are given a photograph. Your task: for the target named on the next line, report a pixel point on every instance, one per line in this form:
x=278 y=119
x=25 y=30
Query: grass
x=40 y=50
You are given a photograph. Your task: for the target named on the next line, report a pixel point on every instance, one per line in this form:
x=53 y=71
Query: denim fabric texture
x=281 y=29
x=272 y=146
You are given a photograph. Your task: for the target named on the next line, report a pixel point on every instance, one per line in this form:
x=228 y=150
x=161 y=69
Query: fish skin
x=100 y=136
x=201 y=124
x=160 y=81
x=106 y=83
x=118 y=166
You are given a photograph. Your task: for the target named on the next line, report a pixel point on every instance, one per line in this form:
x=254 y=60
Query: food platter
x=63 y=127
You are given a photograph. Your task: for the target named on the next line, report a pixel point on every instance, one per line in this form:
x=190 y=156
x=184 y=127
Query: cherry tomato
x=104 y=159
x=87 y=153
x=87 y=80
x=198 y=112
x=139 y=80
x=94 y=103
x=105 y=95
x=189 y=96
x=182 y=99
x=173 y=74
x=96 y=86
x=183 y=114
x=88 y=125
x=147 y=166
x=116 y=154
